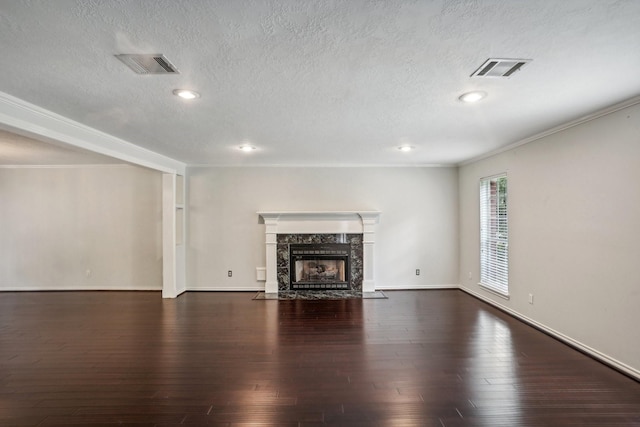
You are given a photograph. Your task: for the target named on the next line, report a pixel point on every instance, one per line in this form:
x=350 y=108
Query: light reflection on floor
x=492 y=374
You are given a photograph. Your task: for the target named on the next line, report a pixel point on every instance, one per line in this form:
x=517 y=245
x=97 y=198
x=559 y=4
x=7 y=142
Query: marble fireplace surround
x=320 y=222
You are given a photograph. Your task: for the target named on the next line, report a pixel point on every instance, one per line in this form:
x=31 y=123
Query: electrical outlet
x=530 y=298
x=470 y=276
x=417 y=271
x=88 y=272
x=229 y=273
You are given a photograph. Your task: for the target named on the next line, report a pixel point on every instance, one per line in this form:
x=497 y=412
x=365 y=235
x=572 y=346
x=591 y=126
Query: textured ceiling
x=321 y=82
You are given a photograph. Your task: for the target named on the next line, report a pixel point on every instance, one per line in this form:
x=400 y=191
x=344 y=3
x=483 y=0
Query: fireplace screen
x=319 y=266
x=319 y=270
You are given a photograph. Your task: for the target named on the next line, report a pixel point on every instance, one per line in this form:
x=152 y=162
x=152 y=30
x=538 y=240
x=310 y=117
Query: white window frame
x=494 y=236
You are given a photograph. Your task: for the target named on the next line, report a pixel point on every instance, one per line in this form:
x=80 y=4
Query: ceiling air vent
x=500 y=67
x=155 y=63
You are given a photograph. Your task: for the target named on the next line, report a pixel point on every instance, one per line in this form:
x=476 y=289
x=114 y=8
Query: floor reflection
x=492 y=373
x=318 y=356
x=423 y=358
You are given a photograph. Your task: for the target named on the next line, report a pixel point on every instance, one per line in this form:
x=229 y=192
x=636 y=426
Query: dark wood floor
x=419 y=358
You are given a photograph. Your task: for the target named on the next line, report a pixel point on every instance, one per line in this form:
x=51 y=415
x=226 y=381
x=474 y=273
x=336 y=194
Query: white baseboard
x=75 y=288
x=226 y=289
x=413 y=287
x=378 y=288
x=616 y=364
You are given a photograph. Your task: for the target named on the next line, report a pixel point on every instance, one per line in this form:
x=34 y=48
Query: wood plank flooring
x=419 y=358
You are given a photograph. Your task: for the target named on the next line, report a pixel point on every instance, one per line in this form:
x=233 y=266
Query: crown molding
x=30 y=120
x=320 y=165
x=584 y=119
x=70 y=166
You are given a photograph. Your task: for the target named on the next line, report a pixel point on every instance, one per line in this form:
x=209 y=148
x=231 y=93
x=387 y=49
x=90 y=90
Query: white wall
x=93 y=227
x=418 y=226
x=574 y=233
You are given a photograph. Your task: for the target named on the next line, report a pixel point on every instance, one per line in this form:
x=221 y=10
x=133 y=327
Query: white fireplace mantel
x=320 y=222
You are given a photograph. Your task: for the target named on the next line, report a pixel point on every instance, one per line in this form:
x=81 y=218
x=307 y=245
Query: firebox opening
x=319 y=266
x=319 y=270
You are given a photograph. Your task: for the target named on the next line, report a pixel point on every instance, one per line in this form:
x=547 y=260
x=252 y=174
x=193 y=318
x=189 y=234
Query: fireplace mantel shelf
x=318 y=215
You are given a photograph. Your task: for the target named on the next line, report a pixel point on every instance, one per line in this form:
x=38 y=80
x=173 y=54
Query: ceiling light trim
x=473 y=96
x=186 y=94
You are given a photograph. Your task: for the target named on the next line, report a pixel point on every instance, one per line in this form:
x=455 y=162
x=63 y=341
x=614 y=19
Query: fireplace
x=319 y=266
x=285 y=228
x=320 y=261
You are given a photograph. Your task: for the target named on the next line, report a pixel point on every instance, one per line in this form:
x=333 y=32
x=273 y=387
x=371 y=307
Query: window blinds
x=494 y=243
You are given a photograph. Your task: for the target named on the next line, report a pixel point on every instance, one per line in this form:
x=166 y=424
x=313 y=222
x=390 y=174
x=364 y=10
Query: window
x=494 y=242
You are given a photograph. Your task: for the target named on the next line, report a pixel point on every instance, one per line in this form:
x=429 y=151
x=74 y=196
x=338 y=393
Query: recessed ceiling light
x=474 y=96
x=247 y=148
x=406 y=148
x=186 y=94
